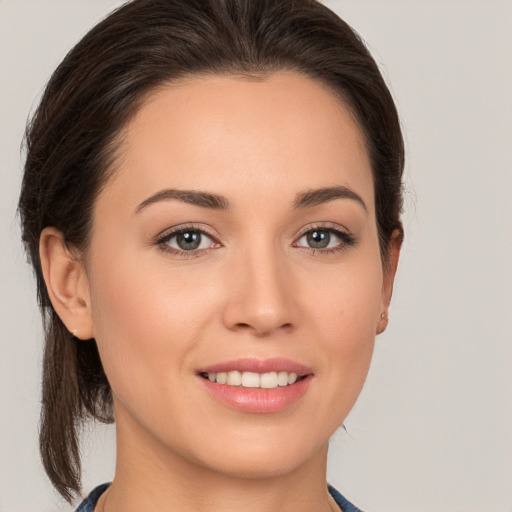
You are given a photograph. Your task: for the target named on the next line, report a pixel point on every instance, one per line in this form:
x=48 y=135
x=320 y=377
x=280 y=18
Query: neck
x=152 y=478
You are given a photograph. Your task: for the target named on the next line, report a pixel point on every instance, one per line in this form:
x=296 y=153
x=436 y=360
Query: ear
x=66 y=282
x=391 y=264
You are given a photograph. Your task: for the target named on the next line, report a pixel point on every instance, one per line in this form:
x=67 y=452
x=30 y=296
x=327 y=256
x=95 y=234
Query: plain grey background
x=432 y=430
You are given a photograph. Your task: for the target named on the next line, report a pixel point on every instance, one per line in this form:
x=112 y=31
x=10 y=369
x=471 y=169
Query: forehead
x=242 y=137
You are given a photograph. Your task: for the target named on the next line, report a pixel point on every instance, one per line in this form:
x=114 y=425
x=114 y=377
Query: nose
x=261 y=295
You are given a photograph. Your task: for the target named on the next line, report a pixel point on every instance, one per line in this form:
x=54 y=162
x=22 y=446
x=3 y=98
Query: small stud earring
x=383 y=315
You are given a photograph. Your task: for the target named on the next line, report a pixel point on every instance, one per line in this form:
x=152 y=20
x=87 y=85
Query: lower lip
x=258 y=400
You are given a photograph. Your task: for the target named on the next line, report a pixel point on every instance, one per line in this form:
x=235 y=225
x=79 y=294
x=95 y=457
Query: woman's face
x=237 y=241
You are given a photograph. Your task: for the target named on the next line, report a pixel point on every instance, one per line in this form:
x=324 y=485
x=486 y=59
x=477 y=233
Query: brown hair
x=71 y=145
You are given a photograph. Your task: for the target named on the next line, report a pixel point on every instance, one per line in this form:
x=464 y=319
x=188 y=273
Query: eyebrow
x=305 y=199
x=323 y=195
x=197 y=198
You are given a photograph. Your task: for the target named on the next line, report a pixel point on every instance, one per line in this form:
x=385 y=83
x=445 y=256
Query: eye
x=325 y=238
x=186 y=240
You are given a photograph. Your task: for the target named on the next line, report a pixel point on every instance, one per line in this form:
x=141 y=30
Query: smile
x=253 y=385
x=269 y=380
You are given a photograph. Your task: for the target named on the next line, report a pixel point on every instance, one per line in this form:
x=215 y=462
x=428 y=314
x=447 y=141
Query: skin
x=255 y=288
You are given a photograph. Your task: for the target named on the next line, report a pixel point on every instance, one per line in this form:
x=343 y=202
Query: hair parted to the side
x=95 y=91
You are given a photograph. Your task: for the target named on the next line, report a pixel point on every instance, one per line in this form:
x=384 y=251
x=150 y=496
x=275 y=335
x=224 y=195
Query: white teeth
x=234 y=378
x=250 y=380
x=282 y=378
x=268 y=380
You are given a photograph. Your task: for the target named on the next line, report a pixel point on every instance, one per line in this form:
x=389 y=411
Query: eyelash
x=163 y=241
x=346 y=240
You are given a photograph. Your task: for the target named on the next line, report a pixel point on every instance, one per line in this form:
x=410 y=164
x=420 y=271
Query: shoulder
x=90 y=502
x=342 y=502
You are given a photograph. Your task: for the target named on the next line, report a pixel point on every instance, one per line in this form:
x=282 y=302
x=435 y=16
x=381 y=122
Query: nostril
x=262 y=330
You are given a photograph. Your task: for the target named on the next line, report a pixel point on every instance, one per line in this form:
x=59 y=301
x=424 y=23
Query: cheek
x=151 y=319
x=142 y=320
x=346 y=299
x=344 y=311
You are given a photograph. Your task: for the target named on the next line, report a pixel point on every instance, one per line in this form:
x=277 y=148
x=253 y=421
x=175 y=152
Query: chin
x=264 y=466
x=261 y=459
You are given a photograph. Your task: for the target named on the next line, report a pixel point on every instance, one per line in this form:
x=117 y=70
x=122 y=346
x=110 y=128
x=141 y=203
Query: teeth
x=268 y=380
x=250 y=380
x=234 y=379
x=282 y=379
x=292 y=377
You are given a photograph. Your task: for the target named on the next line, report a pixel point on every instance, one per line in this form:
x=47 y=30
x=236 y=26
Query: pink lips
x=258 y=400
x=274 y=364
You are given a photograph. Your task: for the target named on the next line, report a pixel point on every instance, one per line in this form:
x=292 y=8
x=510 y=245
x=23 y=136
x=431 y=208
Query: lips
x=257 y=386
x=275 y=364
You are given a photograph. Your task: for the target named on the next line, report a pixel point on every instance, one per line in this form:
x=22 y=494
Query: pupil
x=318 y=239
x=188 y=240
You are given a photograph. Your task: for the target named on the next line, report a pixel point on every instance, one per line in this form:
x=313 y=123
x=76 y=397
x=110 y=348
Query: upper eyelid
x=326 y=226
x=346 y=237
x=180 y=228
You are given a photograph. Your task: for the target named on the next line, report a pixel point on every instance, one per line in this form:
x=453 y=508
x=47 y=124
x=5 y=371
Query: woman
x=211 y=203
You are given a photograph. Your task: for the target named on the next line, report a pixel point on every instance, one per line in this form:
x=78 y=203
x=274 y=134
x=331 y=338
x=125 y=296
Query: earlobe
x=392 y=257
x=66 y=283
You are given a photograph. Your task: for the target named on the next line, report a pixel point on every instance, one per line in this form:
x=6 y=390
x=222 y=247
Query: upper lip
x=252 y=364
